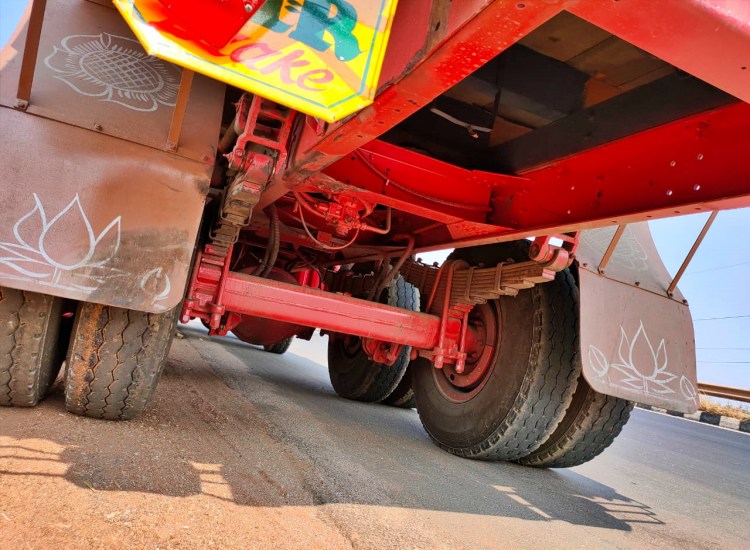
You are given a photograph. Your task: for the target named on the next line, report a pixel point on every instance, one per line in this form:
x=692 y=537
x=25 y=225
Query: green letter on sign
x=316 y=19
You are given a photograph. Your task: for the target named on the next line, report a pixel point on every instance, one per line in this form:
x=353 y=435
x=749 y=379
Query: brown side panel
x=636 y=342
x=92 y=72
x=91 y=217
x=634 y=261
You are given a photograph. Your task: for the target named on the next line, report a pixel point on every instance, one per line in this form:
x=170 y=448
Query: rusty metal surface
x=92 y=72
x=635 y=344
x=634 y=261
x=178 y=114
x=31 y=49
x=93 y=218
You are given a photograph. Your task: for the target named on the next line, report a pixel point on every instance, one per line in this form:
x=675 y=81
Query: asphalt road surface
x=244 y=449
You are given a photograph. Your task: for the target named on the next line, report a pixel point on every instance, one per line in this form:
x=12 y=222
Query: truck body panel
x=490 y=122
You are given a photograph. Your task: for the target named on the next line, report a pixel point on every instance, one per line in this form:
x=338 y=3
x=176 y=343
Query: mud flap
x=96 y=219
x=637 y=342
x=99 y=201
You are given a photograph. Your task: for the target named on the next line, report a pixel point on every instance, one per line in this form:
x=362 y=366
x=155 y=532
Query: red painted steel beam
x=491 y=31
x=628 y=180
x=334 y=312
x=690 y=165
x=397 y=172
x=709 y=39
x=694 y=164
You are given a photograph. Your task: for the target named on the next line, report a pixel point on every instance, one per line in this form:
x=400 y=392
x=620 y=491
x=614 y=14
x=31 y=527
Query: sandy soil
x=245 y=449
x=193 y=472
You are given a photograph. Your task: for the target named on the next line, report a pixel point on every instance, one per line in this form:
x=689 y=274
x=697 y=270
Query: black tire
x=403 y=395
x=353 y=375
x=591 y=424
x=280 y=348
x=529 y=375
x=30 y=354
x=115 y=359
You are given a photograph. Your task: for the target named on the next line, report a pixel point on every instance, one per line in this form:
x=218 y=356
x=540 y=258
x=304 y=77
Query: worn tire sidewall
x=354 y=376
x=459 y=425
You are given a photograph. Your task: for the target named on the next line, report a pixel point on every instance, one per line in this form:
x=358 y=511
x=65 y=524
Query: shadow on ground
x=233 y=423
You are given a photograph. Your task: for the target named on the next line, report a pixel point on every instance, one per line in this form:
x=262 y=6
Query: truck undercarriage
x=536 y=138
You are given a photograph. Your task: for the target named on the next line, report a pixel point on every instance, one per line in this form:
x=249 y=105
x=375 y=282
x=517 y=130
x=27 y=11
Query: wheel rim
x=484 y=319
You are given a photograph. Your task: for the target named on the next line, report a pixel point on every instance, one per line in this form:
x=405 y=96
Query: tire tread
x=550 y=381
x=599 y=419
x=115 y=359
x=379 y=381
x=546 y=394
x=29 y=360
x=280 y=348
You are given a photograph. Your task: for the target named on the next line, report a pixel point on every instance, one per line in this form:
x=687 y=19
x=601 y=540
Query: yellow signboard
x=320 y=57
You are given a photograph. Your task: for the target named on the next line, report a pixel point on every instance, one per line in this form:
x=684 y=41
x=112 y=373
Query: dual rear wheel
x=30 y=354
x=522 y=396
x=526 y=399
x=355 y=376
x=114 y=355
x=114 y=360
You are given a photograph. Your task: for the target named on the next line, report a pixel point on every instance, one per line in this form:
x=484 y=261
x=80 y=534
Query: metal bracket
x=180 y=108
x=381 y=352
x=554 y=257
x=693 y=250
x=611 y=249
x=266 y=126
x=30 y=51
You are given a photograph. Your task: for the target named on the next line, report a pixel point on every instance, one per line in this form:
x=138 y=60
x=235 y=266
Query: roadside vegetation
x=738 y=410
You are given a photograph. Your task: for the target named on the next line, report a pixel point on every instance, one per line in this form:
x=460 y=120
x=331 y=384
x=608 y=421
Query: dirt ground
x=200 y=469
x=245 y=449
x=178 y=477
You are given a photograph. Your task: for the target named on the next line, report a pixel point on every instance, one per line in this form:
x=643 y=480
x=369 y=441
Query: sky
x=716 y=284
x=10 y=14
x=717 y=287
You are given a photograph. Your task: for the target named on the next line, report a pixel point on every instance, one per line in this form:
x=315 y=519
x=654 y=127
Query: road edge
x=704 y=417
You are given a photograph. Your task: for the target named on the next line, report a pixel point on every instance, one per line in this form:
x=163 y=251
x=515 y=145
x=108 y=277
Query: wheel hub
x=484 y=326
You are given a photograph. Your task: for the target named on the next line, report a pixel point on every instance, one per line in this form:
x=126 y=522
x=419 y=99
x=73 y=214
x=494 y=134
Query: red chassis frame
x=693 y=164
